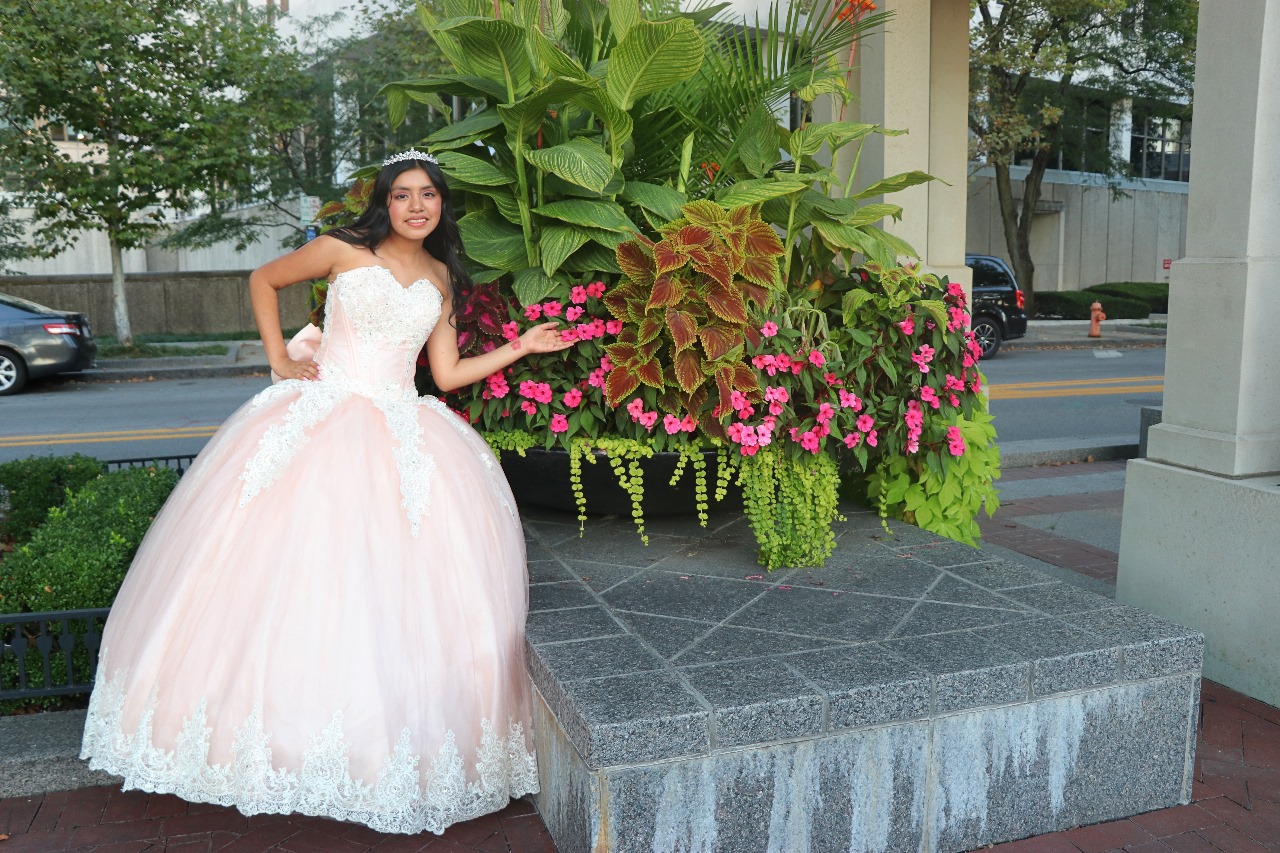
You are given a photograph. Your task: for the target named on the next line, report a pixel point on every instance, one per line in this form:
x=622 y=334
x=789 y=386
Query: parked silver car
x=37 y=341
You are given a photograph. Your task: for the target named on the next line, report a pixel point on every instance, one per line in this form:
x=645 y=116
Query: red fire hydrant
x=1095 y=320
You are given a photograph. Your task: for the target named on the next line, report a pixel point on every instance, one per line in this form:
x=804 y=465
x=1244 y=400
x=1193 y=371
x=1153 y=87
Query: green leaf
x=853 y=300
x=653 y=57
x=477 y=123
x=466 y=85
x=937 y=311
x=523 y=118
x=557 y=61
x=896 y=244
x=759 y=190
x=493 y=49
x=592 y=258
x=473 y=170
x=896 y=183
x=760 y=142
x=578 y=161
x=870 y=213
x=623 y=15
x=662 y=200
x=531 y=285
x=558 y=242
x=492 y=241
x=589 y=213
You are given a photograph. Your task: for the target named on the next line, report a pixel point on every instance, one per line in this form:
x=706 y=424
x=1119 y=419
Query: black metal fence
x=49 y=654
x=180 y=463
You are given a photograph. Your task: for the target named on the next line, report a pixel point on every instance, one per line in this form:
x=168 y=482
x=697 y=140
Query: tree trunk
x=1016 y=240
x=119 y=301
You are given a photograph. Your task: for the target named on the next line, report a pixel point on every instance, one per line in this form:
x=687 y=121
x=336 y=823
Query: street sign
x=1168 y=263
x=312 y=233
x=308 y=207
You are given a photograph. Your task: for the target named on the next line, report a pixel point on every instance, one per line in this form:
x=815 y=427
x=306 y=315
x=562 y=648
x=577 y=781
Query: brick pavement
x=1235 y=807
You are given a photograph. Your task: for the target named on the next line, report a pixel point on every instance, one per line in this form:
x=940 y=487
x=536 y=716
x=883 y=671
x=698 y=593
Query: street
x=1034 y=394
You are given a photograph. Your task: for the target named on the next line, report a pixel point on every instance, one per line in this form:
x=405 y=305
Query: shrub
x=1074 y=305
x=30 y=487
x=1154 y=293
x=79 y=556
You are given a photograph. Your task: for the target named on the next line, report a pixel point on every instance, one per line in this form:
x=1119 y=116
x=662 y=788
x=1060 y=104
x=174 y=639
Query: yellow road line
x=113 y=436
x=1064 y=383
x=1004 y=392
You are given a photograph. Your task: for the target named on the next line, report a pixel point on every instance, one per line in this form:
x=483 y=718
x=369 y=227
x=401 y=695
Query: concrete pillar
x=913 y=74
x=1201 y=534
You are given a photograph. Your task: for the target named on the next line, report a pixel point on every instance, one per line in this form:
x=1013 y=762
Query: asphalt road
x=1069 y=393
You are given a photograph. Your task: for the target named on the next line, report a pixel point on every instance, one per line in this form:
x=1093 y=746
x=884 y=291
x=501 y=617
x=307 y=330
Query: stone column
x=1201 y=536
x=913 y=74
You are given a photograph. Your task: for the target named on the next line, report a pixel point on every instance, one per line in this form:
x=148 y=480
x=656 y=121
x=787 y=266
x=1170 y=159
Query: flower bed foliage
x=748 y=304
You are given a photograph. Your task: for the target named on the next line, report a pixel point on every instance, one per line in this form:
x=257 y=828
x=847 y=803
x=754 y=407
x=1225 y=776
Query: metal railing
x=49 y=654
x=180 y=463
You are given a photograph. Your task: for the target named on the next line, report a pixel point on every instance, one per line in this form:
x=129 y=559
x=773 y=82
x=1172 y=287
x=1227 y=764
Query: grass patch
x=112 y=349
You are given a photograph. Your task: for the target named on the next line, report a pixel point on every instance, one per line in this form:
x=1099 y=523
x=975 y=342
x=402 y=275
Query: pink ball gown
x=327 y=617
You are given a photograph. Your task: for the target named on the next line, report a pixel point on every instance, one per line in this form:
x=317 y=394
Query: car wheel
x=13 y=372
x=987 y=331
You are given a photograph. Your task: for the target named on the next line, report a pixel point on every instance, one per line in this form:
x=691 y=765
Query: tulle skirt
x=325 y=638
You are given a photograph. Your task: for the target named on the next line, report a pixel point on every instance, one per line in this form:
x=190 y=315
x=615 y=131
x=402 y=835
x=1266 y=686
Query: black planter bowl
x=540 y=478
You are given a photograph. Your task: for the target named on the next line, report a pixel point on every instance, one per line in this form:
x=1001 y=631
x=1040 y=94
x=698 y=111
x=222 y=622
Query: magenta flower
x=568 y=334
x=809 y=441
x=511 y=330
x=866 y=422
x=769 y=329
x=955 y=441
x=578 y=295
x=542 y=392
x=572 y=398
x=851 y=439
x=528 y=407
x=596 y=289
x=573 y=312
x=825 y=413
x=613 y=327
x=635 y=408
x=559 y=423
x=928 y=395
x=850 y=401
x=688 y=424
x=816 y=358
x=551 y=309
x=647 y=420
x=908 y=326
x=596 y=378
x=671 y=424
x=533 y=312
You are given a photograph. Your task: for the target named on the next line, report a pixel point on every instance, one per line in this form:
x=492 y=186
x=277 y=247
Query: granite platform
x=914 y=694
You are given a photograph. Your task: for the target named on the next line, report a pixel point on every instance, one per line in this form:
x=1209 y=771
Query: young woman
x=327 y=617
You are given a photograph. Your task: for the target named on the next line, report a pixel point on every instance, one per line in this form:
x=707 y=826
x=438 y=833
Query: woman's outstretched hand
x=545 y=337
x=290 y=369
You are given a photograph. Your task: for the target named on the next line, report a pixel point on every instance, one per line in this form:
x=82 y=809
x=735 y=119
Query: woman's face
x=413 y=204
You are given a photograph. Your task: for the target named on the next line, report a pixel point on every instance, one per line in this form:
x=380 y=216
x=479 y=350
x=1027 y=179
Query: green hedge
x=35 y=485
x=79 y=556
x=1154 y=293
x=1075 y=305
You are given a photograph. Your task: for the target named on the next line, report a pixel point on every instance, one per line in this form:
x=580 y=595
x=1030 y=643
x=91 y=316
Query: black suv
x=999 y=311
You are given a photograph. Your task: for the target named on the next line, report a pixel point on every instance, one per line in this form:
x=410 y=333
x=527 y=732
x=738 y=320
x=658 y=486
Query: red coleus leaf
x=622 y=354
x=716 y=265
x=689 y=373
x=755 y=293
x=650 y=349
x=696 y=236
x=726 y=303
x=627 y=335
x=650 y=373
x=746 y=380
x=650 y=328
x=669 y=255
x=636 y=261
x=718 y=340
x=684 y=328
x=760 y=270
x=667 y=290
x=753 y=335
x=704 y=212
x=620 y=384
x=724 y=386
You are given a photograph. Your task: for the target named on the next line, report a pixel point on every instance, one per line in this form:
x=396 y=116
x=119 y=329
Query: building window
x=1080 y=141
x=1161 y=147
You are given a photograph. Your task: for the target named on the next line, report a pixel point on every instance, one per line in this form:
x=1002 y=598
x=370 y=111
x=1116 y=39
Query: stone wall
x=177 y=302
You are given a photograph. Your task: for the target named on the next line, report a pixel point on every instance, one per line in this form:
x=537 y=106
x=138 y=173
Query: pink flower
x=572 y=398
x=782 y=361
x=671 y=424
x=873 y=438
x=764 y=435
x=850 y=401
x=928 y=395
x=511 y=330
x=777 y=394
x=955 y=289
x=568 y=334
x=542 y=392
x=816 y=358
x=908 y=326
x=688 y=424
x=586 y=331
x=866 y=422
x=737 y=400
x=809 y=441
x=922 y=357
x=852 y=439
x=533 y=312
x=526 y=388
x=647 y=420
x=595 y=289
x=775 y=408
x=954 y=384
x=573 y=312
x=559 y=423
x=955 y=441
x=528 y=407
x=825 y=413
x=613 y=327
x=578 y=296
x=953 y=399
x=769 y=329
x=498 y=386
x=551 y=309
x=832 y=379
x=635 y=408
x=596 y=378
x=734 y=431
x=605 y=364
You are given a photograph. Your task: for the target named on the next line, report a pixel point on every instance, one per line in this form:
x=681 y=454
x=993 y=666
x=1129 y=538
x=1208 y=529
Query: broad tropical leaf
x=531 y=285
x=491 y=48
x=896 y=183
x=473 y=170
x=659 y=199
x=759 y=190
x=578 y=161
x=587 y=212
x=492 y=241
x=476 y=124
x=558 y=242
x=873 y=213
x=652 y=57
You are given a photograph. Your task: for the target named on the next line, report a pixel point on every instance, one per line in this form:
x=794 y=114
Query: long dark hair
x=444 y=242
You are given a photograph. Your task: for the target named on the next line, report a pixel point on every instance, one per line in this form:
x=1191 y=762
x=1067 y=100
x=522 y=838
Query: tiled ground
x=1236 y=806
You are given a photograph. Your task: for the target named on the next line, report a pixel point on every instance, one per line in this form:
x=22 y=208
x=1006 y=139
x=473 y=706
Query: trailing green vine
x=791 y=502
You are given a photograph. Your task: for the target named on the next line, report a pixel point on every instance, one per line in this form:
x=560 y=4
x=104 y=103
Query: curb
x=1048 y=451
x=40 y=753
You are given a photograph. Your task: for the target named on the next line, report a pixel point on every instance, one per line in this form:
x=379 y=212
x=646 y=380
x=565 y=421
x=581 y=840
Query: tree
x=1028 y=59
x=175 y=102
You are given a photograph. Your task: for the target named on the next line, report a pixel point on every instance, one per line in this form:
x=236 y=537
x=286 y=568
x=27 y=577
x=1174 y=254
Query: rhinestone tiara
x=411 y=154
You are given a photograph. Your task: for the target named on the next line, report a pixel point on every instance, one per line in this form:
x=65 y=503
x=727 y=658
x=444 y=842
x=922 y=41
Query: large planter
x=540 y=478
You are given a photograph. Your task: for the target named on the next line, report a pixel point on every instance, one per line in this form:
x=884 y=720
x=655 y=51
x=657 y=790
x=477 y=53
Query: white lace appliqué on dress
x=384 y=315
x=405 y=798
